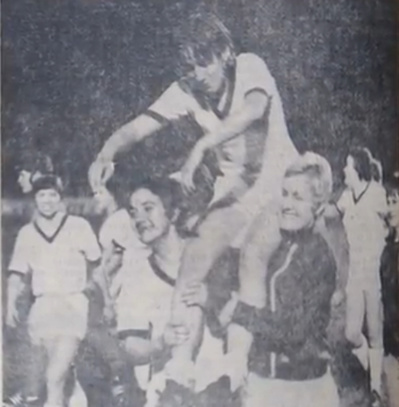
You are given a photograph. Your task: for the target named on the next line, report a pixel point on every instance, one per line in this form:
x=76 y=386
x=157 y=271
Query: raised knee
x=353 y=336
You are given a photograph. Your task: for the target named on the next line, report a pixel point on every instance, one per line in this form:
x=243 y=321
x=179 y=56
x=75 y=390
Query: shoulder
x=77 y=223
x=118 y=219
x=345 y=200
x=250 y=61
x=26 y=231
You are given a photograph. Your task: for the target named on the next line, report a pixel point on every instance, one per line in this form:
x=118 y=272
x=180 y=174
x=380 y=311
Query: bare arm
x=254 y=108
x=127 y=135
x=142 y=351
x=15 y=286
x=233 y=125
x=111 y=261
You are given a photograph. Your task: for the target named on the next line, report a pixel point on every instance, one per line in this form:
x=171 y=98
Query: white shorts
x=58 y=315
x=265 y=392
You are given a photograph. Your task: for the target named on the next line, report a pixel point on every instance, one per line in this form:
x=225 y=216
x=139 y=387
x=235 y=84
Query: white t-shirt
x=57 y=263
x=119 y=230
x=365 y=229
x=145 y=297
x=144 y=304
x=261 y=153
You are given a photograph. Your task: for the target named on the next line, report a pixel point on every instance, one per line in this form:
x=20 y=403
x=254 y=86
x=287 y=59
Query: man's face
x=24 y=181
x=350 y=173
x=297 y=209
x=393 y=207
x=47 y=202
x=208 y=77
x=102 y=198
x=149 y=215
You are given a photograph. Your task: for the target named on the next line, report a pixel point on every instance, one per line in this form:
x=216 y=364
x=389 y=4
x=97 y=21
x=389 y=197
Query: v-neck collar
x=357 y=199
x=50 y=239
x=206 y=102
x=159 y=272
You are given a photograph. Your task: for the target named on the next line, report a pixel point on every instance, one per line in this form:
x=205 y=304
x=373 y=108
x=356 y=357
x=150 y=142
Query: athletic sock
x=376 y=359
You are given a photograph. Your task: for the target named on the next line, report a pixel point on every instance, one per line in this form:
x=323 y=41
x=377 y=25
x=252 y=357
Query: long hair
x=203 y=37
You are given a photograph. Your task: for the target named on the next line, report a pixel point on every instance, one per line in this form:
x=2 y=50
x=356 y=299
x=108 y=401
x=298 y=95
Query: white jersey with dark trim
x=365 y=228
x=119 y=231
x=57 y=262
x=264 y=148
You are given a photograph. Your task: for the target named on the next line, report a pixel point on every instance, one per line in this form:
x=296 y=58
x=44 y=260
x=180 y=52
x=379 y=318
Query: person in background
x=32 y=164
x=390 y=296
x=116 y=235
x=57 y=251
x=363 y=207
x=235 y=100
x=278 y=344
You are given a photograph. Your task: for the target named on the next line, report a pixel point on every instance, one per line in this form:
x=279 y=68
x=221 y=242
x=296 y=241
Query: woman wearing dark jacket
x=281 y=320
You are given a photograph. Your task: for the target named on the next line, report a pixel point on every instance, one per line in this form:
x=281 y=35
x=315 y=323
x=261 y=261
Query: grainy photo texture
x=200 y=203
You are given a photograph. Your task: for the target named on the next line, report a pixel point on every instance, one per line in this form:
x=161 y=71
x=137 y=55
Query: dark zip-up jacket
x=290 y=332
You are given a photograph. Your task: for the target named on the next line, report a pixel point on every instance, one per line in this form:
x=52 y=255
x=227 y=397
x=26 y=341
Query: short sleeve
x=21 y=254
x=173 y=104
x=254 y=75
x=88 y=242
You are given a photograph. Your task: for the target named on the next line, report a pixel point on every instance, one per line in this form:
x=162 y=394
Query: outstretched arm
x=125 y=137
x=14 y=288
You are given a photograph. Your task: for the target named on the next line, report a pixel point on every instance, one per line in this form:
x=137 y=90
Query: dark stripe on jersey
x=231 y=84
x=163 y=121
x=50 y=239
x=139 y=333
x=356 y=200
x=159 y=272
x=255 y=141
x=261 y=90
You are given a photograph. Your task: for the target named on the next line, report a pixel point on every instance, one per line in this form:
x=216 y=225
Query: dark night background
x=74 y=71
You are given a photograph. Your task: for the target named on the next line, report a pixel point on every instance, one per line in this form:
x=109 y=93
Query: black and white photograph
x=200 y=203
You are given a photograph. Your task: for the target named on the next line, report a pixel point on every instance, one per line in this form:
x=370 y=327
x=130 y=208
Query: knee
x=353 y=335
x=376 y=340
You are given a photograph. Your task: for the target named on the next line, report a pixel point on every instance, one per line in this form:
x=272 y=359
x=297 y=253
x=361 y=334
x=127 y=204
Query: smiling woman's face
x=297 y=210
x=149 y=215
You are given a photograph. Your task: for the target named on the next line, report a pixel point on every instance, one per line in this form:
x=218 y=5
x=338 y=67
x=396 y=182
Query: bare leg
x=35 y=372
x=216 y=233
x=62 y=351
x=375 y=333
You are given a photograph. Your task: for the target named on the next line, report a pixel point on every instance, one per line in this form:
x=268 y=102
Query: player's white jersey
x=57 y=262
x=261 y=153
x=365 y=229
x=119 y=230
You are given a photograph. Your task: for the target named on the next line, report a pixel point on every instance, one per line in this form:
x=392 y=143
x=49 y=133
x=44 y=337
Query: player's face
x=350 y=174
x=149 y=216
x=207 y=76
x=47 y=202
x=393 y=206
x=102 y=198
x=24 y=181
x=297 y=209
